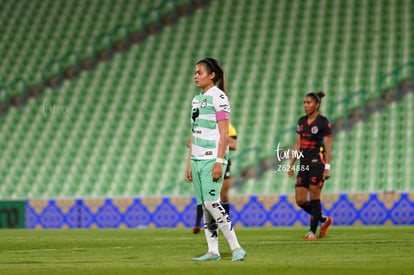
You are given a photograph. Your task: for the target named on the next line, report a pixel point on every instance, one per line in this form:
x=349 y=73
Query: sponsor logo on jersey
x=195 y=113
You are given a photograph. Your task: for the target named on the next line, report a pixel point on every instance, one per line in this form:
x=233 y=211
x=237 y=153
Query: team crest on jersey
x=314 y=130
x=203 y=103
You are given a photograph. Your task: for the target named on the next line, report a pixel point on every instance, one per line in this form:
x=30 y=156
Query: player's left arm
x=223 y=126
x=328 y=149
x=222 y=106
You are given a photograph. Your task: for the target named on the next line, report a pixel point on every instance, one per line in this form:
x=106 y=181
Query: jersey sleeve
x=222 y=107
x=299 y=127
x=327 y=130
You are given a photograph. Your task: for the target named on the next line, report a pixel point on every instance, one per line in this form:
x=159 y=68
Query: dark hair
x=213 y=66
x=317 y=96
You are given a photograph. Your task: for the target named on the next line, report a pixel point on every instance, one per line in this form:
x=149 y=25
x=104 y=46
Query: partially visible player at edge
x=208 y=154
x=313 y=138
x=224 y=192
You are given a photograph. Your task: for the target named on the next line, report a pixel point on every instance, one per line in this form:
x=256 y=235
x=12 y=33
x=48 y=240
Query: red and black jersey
x=312 y=138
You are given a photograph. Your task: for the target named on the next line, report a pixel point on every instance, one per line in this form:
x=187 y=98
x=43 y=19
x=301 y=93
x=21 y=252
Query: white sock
x=210 y=231
x=223 y=221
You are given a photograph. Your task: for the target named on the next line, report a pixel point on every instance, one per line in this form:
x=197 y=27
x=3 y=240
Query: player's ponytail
x=222 y=79
x=212 y=65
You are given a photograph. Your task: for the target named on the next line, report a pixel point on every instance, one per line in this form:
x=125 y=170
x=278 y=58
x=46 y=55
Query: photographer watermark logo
x=286 y=154
x=55 y=110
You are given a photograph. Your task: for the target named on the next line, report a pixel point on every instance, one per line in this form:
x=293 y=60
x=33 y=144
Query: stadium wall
x=246 y=211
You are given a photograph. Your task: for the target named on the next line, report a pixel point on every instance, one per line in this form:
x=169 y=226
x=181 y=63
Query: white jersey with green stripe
x=207 y=109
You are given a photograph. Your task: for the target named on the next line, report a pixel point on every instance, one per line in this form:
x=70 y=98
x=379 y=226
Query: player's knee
x=315 y=194
x=300 y=201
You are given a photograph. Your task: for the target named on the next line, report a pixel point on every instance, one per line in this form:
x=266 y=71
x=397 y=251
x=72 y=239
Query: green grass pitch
x=270 y=250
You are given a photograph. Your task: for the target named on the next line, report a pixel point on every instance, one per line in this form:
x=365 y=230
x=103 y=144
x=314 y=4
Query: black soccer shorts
x=310 y=174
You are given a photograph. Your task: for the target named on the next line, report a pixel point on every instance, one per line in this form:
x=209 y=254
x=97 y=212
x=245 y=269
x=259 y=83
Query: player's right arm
x=188 y=176
x=296 y=148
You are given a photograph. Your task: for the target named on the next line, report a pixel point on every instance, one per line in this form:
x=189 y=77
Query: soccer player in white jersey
x=208 y=156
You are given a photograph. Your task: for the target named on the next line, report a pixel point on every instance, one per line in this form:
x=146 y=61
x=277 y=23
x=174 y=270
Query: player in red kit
x=313 y=140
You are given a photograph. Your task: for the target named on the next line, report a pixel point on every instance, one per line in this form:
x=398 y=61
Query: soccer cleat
x=324 y=227
x=238 y=254
x=310 y=236
x=196 y=229
x=209 y=256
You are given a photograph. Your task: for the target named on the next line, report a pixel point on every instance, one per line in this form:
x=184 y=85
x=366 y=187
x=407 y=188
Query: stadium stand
x=121 y=129
x=34 y=32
